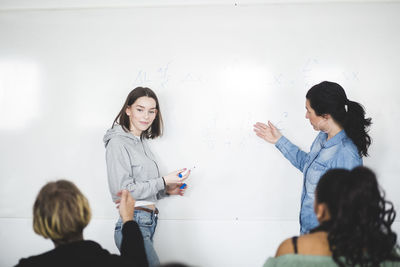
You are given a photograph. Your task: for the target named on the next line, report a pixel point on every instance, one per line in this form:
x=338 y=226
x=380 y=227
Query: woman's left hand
x=176 y=190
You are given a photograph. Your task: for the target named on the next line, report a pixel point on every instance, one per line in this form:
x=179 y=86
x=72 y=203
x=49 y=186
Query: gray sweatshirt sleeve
x=120 y=176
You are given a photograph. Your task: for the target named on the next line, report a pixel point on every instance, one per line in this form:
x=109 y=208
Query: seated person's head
x=351 y=208
x=60 y=212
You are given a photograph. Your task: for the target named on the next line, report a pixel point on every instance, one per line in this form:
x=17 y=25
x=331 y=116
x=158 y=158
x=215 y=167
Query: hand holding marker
x=183 y=186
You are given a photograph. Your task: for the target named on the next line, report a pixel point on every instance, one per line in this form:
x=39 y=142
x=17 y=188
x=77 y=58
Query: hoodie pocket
x=137 y=170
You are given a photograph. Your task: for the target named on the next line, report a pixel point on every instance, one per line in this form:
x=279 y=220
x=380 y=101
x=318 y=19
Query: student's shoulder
x=121 y=141
x=117 y=140
x=25 y=262
x=314 y=244
x=36 y=260
x=286 y=247
x=310 y=244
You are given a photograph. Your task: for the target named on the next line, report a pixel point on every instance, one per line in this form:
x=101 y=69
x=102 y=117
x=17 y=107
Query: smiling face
x=141 y=114
x=314 y=119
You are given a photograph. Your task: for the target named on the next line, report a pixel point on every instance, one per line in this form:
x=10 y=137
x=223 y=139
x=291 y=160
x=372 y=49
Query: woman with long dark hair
x=355 y=225
x=341 y=143
x=132 y=166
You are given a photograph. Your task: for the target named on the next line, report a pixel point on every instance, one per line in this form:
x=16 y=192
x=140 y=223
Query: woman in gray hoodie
x=131 y=164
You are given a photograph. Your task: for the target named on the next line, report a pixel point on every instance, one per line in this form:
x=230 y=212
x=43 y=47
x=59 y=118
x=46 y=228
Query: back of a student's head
x=359 y=228
x=60 y=212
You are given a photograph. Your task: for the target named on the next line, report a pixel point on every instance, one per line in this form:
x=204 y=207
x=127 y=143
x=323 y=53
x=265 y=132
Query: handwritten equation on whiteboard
x=163 y=76
x=217 y=133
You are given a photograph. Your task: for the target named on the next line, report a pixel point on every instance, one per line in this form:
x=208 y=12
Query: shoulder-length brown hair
x=122 y=118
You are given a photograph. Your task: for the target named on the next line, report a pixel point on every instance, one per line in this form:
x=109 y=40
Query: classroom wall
x=66 y=69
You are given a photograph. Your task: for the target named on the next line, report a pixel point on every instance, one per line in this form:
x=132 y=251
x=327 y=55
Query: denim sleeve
x=294 y=154
x=120 y=176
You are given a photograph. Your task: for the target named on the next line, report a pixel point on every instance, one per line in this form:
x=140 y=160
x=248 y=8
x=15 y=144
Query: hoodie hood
x=117 y=130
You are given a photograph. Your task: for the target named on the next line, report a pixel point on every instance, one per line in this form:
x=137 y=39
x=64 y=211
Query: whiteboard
x=217 y=69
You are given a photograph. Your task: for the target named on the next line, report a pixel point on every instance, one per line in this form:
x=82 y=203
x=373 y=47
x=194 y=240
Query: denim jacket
x=337 y=152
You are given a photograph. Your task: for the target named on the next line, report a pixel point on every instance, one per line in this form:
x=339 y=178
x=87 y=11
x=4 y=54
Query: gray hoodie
x=131 y=166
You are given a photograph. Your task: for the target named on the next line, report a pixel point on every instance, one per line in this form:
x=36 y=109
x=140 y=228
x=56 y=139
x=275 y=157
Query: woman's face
x=141 y=114
x=315 y=120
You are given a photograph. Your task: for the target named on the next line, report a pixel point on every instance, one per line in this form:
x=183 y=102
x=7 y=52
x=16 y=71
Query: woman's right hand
x=173 y=177
x=268 y=132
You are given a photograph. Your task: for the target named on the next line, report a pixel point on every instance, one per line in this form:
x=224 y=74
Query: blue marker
x=183 y=186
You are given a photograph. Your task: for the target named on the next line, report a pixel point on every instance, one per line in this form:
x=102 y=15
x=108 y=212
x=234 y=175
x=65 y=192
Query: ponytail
x=330 y=98
x=356 y=127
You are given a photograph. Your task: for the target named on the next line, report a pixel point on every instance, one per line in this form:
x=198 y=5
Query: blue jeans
x=147 y=223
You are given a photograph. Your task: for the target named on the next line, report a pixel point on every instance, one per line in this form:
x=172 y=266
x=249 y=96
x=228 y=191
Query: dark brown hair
x=330 y=98
x=122 y=118
x=359 y=231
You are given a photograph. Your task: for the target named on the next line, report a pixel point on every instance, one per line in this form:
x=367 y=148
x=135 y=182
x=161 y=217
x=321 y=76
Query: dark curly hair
x=330 y=98
x=359 y=230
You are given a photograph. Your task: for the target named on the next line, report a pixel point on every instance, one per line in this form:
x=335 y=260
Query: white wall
x=217 y=69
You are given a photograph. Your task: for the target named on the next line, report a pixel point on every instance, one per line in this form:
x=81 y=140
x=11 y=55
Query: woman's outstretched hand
x=268 y=132
x=174 y=179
